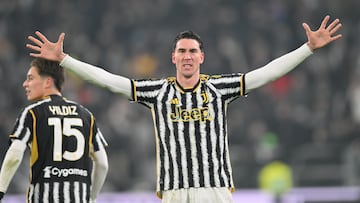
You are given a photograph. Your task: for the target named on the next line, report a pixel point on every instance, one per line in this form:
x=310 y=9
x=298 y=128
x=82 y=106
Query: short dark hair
x=51 y=69
x=188 y=34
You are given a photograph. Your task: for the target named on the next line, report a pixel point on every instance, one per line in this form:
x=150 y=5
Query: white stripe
x=148 y=94
x=172 y=140
x=100 y=135
x=66 y=192
x=27 y=136
x=77 y=192
x=84 y=193
x=36 y=193
x=226 y=79
x=56 y=192
x=150 y=83
x=31 y=193
x=226 y=91
x=46 y=193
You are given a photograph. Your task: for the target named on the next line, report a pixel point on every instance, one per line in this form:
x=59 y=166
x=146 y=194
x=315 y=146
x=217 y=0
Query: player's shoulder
x=223 y=76
x=37 y=104
x=79 y=106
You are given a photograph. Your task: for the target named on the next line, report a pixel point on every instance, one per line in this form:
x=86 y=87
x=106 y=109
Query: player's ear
x=173 y=58
x=49 y=82
x=202 y=57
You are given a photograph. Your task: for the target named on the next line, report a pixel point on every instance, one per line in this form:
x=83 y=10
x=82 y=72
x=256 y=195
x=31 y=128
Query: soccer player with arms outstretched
x=189 y=110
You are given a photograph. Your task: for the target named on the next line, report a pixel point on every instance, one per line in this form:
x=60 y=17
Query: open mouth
x=187 y=65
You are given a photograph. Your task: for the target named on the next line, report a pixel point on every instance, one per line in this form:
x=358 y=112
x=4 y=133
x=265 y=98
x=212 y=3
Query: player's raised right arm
x=54 y=51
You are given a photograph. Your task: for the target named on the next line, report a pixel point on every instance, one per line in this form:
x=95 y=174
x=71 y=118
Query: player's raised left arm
x=46 y=49
x=282 y=65
x=324 y=35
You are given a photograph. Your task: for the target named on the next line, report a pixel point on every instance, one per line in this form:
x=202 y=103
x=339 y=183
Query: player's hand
x=324 y=35
x=46 y=49
x=91 y=201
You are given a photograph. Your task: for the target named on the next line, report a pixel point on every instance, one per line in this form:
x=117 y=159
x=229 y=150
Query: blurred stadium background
x=309 y=119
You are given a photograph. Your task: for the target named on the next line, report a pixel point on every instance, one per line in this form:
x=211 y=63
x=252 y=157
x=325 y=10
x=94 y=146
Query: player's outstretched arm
x=284 y=64
x=46 y=49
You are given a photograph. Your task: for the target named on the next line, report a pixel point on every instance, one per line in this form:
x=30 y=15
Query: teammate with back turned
x=68 y=161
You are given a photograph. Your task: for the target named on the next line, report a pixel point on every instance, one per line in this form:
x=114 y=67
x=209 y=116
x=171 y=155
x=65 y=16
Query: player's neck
x=52 y=92
x=188 y=83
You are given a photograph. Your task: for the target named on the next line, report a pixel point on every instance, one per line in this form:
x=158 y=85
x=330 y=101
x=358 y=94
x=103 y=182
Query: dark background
x=309 y=119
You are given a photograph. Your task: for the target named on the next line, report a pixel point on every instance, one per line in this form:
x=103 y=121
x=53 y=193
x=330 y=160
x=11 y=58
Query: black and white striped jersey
x=191 y=129
x=61 y=134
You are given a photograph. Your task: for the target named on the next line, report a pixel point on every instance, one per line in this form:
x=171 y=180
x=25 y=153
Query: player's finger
x=333 y=24
x=325 y=21
x=336 y=37
x=34 y=55
x=335 y=29
x=306 y=28
x=41 y=36
x=61 y=38
x=36 y=41
x=35 y=48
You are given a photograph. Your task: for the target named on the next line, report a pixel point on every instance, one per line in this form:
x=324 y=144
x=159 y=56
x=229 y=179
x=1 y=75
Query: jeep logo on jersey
x=50 y=171
x=195 y=114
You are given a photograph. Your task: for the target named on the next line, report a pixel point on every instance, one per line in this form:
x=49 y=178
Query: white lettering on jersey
x=63 y=110
x=63 y=172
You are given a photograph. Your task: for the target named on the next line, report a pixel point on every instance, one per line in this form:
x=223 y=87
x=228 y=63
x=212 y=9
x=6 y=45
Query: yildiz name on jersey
x=50 y=171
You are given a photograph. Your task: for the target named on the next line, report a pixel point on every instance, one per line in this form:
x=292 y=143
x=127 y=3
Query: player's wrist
x=312 y=49
x=1 y=195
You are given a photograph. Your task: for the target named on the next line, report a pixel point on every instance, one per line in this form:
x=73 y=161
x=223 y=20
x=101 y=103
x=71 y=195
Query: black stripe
x=209 y=142
x=167 y=140
x=148 y=88
x=187 y=146
x=218 y=149
x=225 y=140
x=51 y=194
x=161 y=151
x=198 y=142
x=72 y=190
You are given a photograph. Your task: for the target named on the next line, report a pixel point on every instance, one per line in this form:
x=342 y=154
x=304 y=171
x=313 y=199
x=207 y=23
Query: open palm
x=46 y=49
x=324 y=35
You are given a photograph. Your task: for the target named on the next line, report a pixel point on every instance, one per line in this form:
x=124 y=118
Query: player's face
x=187 y=57
x=34 y=85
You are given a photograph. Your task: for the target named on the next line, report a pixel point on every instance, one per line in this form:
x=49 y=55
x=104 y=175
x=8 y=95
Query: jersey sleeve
x=23 y=127
x=97 y=140
x=98 y=76
x=230 y=86
x=147 y=90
